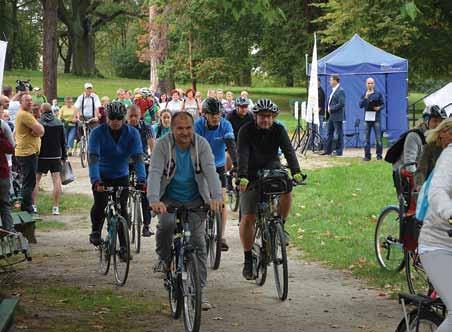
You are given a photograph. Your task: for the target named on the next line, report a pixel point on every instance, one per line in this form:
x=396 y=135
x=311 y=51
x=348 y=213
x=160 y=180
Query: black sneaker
x=95 y=239
x=366 y=159
x=123 y=254
x=147 y=232
x=224 y=245
x=379 y=158
x=248 y=270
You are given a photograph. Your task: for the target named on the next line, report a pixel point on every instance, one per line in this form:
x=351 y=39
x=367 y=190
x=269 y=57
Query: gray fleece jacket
x=436 y=224
x=163 y=167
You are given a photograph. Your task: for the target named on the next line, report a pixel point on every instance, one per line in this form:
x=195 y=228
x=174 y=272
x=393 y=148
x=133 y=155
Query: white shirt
x=88 y=111
x=331 y=96
x=174 y=106
x=13 y=109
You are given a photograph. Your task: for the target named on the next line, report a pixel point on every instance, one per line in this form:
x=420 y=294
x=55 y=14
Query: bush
x=126 y=64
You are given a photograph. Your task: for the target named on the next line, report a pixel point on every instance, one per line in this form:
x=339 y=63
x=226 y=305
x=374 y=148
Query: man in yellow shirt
x=28 y=135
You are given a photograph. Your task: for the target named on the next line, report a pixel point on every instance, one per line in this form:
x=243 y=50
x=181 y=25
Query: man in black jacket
x=52 y=154
x=240 y=116
x=257 y=147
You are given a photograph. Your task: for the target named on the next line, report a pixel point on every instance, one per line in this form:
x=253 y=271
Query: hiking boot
x=248 y=270
x=95 y=239
x=146 y=231
x=205 y=305
x=123 y=254
x=224 y=245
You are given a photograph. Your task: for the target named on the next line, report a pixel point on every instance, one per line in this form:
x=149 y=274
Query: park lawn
x=69 y=203
x=334 y=216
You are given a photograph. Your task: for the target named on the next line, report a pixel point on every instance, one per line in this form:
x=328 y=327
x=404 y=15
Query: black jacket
x=53 y=143
x=321 y=101
x=258 y=149
x=237 y=122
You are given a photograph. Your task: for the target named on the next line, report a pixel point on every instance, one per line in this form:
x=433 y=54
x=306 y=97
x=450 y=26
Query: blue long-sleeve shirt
x=113 y=157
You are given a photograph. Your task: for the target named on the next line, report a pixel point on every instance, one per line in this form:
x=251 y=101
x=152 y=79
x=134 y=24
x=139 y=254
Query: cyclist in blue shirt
x=111 y=145
x=220 y=135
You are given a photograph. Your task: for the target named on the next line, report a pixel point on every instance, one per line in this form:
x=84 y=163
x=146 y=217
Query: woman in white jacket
x=435 y=244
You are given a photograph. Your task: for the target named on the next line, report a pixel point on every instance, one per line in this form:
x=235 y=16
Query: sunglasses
x=115 y=117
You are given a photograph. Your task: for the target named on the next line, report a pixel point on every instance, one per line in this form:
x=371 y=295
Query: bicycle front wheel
x=191 y=292
x=83 y=152
x=259 y=253
x=173 y=284
x=416 y=276
x=104 y=254
x=214 y=239
x=279 y=257
x=387 y=243
x=428 y=321
x=121 y=257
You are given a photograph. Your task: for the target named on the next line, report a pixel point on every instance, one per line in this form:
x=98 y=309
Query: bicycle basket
x=274 y=181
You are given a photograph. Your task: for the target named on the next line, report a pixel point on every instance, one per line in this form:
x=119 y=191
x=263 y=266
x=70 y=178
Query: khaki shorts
x=248 y=202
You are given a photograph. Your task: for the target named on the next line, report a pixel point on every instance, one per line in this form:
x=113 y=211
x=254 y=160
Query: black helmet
x=116 y=110
x=265 y=105
x=242 y=101
x=212 y=106
x=433 y=112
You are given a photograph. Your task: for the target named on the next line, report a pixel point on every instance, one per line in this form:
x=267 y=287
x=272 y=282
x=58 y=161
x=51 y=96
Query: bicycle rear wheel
x=191 y=292
x=428 y=321
x=137 y=222
x=83 y=152
x=279 y=257
x=104 y=254
x=388 y=248
x=416 y=276
x=121 y=261
x=214 y=239
x=259 y=258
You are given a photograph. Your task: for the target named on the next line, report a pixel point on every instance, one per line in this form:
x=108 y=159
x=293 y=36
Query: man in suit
x=321 y=95
x=336 y=110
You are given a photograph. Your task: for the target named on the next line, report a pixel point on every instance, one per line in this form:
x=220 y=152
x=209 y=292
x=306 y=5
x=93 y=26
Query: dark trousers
x=377 y=131
x=28 y=166
x=100 y=202
x=146 y=210
x=5 y=205
x=335 y=127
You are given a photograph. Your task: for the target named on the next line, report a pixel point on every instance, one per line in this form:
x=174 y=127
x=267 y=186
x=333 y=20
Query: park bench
x=7 y=314
x=24 y=223
x=13 y=244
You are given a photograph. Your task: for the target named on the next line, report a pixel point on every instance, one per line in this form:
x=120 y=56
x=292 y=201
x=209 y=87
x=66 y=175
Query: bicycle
x=428 y=314
x=213 y=238
x=109 y=246
x=232 y=192
x=269 y=239
x=396 y=233
x=182 y=279
x=84 y=142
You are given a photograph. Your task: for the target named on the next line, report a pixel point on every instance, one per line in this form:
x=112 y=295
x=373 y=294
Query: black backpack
x=395 y=151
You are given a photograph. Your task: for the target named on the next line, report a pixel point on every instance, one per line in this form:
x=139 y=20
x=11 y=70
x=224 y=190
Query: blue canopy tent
x=355 y=61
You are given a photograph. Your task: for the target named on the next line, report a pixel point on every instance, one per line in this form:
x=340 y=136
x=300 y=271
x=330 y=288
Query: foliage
x=125 y=63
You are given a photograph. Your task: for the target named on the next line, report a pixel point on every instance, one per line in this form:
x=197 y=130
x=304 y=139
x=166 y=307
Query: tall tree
x=50 y=49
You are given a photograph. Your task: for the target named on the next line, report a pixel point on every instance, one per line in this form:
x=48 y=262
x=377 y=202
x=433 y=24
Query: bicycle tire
x=191 y=292
x=279 y=243
x=416 y=276
x=388 y=248
x=259 y=258
x=214 y=240
x=428 y=321
x=137 y=223
x=131 y=214
x=83 y=152
x=173 y=280
x=121 y=276
x=104 y=255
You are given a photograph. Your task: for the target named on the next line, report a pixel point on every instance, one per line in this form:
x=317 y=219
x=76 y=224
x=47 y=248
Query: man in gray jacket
x=182 y=173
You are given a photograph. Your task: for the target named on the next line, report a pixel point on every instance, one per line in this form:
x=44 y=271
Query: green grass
x=333 y=218
x=70 y=203
x=49 y=225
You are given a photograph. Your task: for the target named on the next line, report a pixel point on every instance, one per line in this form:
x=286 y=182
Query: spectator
x=321 y=95
x=228 y=103
x=175 y=104
x=38 y=96
x=163 y=127
x=121 y=96
x=6 y=148
x=105 y=100
x=88 y=104
x=198 y=97
x=244 y=94
x=191 y=105
x=28 y=135
x=163 y=100
x=70 y=115
x=5 y=101
x=14 y=104
x=220 y=96
x=51 y=155
x=36 y=111
x=55 y=108
x=437 y=140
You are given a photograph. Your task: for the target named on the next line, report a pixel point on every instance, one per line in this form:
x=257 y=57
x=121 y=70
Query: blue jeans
x=335 y=127
x=70 y=136
x=377 y=131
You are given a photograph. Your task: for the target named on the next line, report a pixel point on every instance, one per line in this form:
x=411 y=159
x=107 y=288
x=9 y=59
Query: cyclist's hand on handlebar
x=299 y=178
x=141 y=186
x=216 y=205
x=98 y=186
x=158 y=207
x=243 y=183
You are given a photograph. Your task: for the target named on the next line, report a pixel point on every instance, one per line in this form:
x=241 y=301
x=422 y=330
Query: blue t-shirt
x=146 y=132
x=183 y=187
x=216 y=138
x=160 y=131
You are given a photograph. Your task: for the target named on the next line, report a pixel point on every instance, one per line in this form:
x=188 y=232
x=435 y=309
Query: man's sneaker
x=161 y=267
x=147 y=232
x=205 y=305
x=123 y=254
x=224 y=245
x=95 y=239
x=379 y=158
x=248 y=270
x=56 y=211
x=35 y=208
x=366 y=159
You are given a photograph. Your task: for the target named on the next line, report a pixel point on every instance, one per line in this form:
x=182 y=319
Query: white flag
x=312 y=108
x=3 y=45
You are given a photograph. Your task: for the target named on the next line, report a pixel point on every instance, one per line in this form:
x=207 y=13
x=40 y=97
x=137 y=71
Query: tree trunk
x=290 y=79
x=190 y=60
x=12 y=36
x=50 y=49
x=68 y=60
x=82 y=39
x=153 y=42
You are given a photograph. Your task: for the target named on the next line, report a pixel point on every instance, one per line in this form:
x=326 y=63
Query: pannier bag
x=274 y=181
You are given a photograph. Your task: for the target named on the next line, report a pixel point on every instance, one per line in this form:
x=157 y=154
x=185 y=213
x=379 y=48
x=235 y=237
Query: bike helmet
x=265 y=105
x=145 y=92
x=242 y=101
x=116 y=110
x=212 y=106
x=433 y=112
